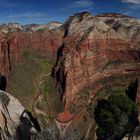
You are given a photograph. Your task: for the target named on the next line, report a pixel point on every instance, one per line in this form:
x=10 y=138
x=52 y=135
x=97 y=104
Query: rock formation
x=14 y=120
x=94 y=56
x=14 y=43
x=127 y=27
x=91 y=51
x=40 y=27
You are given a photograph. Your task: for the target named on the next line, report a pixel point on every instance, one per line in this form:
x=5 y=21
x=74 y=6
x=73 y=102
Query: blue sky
x=43 y=11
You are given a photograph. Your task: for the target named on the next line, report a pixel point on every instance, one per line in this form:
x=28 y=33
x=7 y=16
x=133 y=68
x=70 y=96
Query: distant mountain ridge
x=12 y=27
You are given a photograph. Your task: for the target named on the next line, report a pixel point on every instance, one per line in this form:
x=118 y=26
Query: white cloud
x=134 y=7
x=83 y=4
x=30 y=15
x=132 y=1
x=131 y=9
x=127 y=12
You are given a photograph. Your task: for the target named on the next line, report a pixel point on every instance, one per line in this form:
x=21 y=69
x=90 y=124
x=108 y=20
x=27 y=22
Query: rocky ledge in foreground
x=15 y=122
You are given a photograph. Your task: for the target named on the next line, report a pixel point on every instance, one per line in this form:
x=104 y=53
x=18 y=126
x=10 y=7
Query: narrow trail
x=61 y=126
x=38 y=96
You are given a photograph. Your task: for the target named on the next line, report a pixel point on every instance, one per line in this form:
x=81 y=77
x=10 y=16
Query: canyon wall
x=93 y=50
x=94 y=56
x=13 y=44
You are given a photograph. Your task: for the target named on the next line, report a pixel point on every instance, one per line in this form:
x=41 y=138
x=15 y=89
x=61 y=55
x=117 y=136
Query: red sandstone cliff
x=12 y=44
x=93 y=50
x=88 y=48
x=4 y=55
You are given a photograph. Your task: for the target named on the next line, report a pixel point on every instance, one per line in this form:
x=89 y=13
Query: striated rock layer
x=13 y=44
x=127 y=27
x=95 y=55
x=93 y=50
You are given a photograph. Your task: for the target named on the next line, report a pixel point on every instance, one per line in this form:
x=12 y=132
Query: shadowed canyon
x=56 y=74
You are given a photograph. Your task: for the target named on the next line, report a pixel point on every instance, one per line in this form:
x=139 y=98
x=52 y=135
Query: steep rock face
x=91 y=51
x=13 y=44
x=4 y=55
x=14 y=120
x=46 y=42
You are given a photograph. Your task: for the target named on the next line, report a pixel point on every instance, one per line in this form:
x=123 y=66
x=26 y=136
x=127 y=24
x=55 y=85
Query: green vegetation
x=113 y=85
x=4 y=98
x=49 y=133
x=115 y=117
x=79 y=101
x=73 y=108
x=31 y=70
x=52 y=96
x=120 y=80
x=22 y=85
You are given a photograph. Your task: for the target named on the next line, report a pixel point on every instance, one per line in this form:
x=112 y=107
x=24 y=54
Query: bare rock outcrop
x=15 y=123
x=97 y=53
x=92 y=50
x=127 y=27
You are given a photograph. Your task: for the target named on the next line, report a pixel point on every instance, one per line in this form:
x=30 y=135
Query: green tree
x=115 y=117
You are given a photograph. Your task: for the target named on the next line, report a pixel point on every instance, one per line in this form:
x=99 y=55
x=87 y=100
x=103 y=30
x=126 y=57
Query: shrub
x=115 y=117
